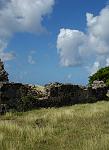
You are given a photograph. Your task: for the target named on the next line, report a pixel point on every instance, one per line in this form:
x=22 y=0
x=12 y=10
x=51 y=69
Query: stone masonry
x=53 y=93
x=76 y=93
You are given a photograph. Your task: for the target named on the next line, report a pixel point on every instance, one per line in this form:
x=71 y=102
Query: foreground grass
x=79 y=127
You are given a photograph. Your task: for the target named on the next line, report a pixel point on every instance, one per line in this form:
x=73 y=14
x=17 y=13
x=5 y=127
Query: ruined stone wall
x=10 y=93
x=57 y=95
x=99 y=93
x=74 y=94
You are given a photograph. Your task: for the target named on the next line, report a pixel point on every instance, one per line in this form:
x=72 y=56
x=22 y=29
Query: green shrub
x=101 y=74
x=27 y=103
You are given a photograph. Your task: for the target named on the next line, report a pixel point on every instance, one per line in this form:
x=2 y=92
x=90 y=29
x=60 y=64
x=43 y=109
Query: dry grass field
x=78 y=127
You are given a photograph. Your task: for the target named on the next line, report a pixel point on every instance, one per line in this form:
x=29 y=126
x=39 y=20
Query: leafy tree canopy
x=101 y=74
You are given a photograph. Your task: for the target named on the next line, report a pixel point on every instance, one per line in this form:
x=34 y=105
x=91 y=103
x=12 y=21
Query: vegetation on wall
x=26 y=103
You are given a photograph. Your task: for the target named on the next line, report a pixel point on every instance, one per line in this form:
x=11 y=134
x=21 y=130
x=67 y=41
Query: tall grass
x=79 y=127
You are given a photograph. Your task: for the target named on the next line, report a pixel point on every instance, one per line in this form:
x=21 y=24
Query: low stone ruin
x=36 y=90
x=10 y=93
x=75 y=93
x=53 y=94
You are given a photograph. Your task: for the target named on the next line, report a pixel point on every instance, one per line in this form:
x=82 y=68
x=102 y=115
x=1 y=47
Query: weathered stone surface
x=10 y=93
x=76 y=94
x=37 y=90
x=98 y=84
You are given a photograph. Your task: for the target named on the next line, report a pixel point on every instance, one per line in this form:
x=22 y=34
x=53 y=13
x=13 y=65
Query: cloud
x=94 y=68
x=7 y=56
x=77 y=48
x=107 y=62
x=31 y=60
x=69 y=46
x=98 y=31
x=69 y=76
x=22 y=16
x=3 y=3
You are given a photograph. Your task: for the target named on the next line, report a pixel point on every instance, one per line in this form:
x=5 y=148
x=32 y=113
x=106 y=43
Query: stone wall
x=55 y=94
x=74 y=94
x=10 y=93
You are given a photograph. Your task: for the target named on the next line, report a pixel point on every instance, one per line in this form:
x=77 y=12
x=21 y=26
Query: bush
x=27 y=103
x=102 y=74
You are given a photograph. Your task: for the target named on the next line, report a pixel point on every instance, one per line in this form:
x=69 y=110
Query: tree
x=101 y=74
x=3 y=73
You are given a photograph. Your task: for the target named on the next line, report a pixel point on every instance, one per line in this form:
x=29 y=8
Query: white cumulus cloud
x=69 y=44
x=22 y=16
x=76 y=47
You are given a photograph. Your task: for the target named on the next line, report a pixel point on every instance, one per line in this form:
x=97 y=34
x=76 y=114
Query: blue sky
x=53 y=41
